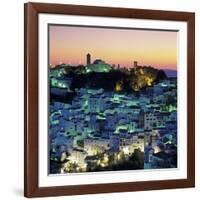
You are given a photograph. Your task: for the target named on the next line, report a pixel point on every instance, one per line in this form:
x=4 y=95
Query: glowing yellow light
x=149 y=81
x=105 y=159
x=156 y=149
x=118 y=86
x=118 y=156
x=84 y=166
x=126 y=150
x=63 y=156
x=102 y=165
x=141 y=71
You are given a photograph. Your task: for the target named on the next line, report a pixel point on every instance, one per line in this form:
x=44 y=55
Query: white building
x=95 y=146
x=150 y=120
x=78 y=156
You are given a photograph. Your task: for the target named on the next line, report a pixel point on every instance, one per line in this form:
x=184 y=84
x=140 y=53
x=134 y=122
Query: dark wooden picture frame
x=31 y=106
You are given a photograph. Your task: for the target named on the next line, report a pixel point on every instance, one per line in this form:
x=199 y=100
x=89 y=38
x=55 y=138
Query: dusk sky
x=115 y=46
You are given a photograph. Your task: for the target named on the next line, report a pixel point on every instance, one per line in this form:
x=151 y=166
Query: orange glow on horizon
x=70 y=45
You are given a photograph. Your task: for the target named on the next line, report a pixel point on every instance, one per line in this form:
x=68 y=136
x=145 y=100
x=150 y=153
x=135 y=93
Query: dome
x=99 y=61
x=98 y=66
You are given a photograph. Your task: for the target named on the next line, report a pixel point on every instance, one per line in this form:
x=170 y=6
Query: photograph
x=112 y=99
x=109 y=99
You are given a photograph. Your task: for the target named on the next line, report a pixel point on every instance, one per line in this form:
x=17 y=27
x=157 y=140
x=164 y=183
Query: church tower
x=88 y=58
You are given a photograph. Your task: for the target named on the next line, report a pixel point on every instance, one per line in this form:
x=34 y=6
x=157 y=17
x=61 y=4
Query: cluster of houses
x=106 y=122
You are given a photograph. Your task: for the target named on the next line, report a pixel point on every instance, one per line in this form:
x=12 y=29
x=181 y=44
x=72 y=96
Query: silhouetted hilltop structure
x=98 y=66
x=101 y=75
x=142 y=76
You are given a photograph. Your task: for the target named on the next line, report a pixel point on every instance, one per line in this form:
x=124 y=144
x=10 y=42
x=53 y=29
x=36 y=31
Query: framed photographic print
x=109 y=99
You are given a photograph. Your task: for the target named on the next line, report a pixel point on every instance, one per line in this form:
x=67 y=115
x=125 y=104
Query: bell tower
x=88 y=58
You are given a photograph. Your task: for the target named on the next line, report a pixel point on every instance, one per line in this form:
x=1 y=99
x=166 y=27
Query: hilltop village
x=104 y=117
